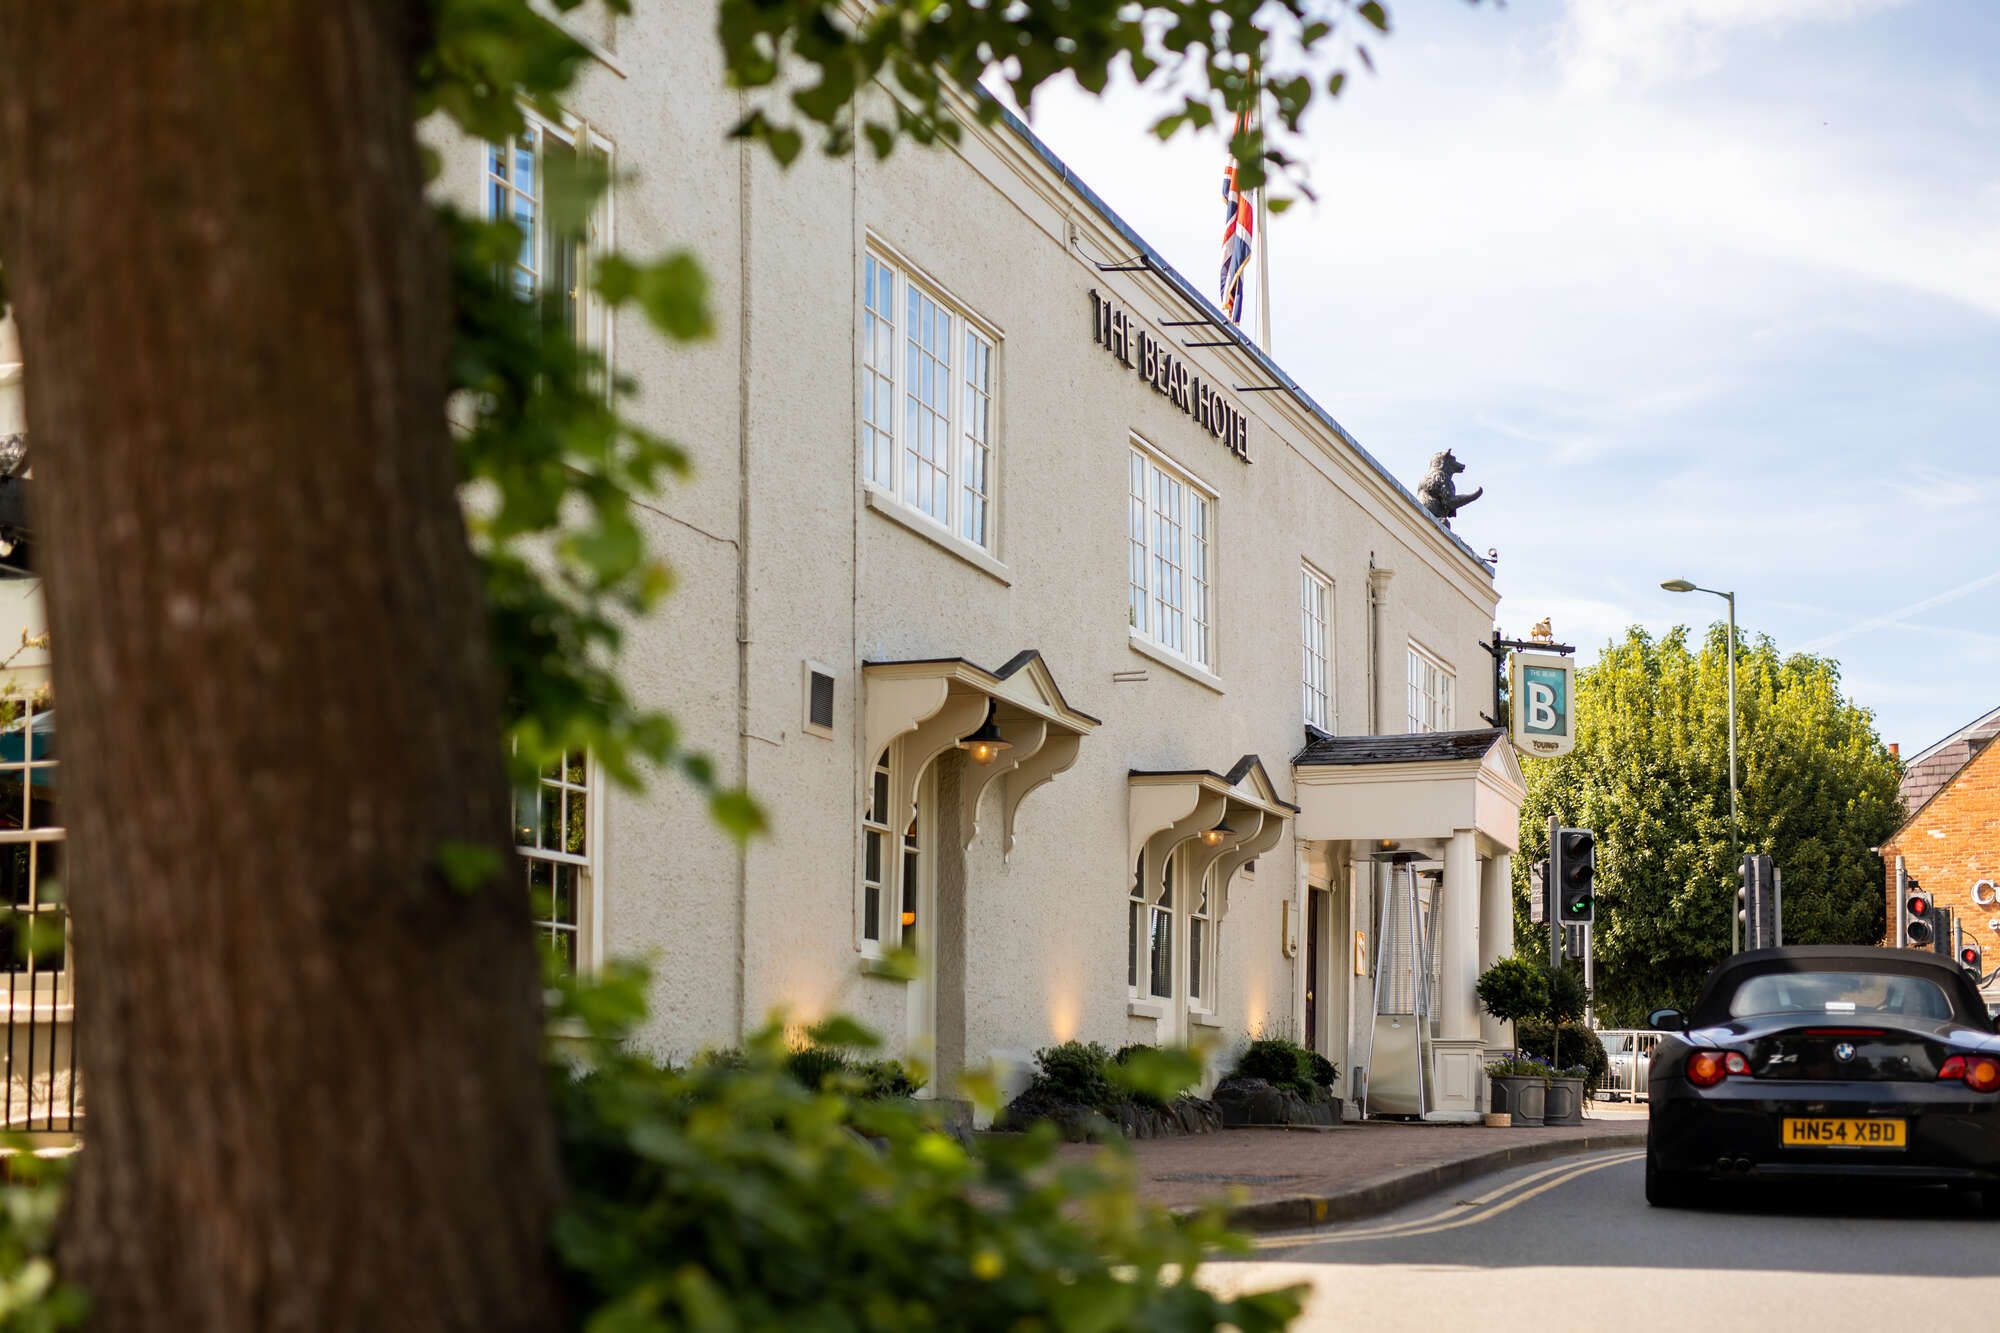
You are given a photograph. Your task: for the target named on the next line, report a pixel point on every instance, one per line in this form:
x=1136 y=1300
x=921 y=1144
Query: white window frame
x=593 y=321
x=1170 y=532
x=882 y=930
x=1202 y=952
x=587 y=881
x=34 y=987
x=1161 y=915
x=1433 y=685
x=893 y=462
x=1316 y=648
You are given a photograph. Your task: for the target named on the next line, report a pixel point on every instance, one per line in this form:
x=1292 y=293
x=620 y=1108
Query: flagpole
x=1263 y=241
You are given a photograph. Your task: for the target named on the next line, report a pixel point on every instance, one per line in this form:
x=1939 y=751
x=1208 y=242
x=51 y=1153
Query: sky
x=1694 y=288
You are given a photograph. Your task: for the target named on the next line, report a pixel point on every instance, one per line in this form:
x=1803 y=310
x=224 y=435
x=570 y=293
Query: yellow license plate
x=1846 y=1134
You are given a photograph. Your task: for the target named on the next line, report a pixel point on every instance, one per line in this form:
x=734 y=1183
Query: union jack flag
x=1238 y=231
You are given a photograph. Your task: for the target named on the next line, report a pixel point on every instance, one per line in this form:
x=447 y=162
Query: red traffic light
x=1918 y=906
x=1969 y=955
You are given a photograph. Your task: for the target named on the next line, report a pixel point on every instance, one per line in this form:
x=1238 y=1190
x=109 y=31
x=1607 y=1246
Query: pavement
x=1572 y=1244
x=1279 y=1178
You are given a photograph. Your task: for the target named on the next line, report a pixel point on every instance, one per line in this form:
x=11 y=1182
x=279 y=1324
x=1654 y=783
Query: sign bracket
x=1497 y=650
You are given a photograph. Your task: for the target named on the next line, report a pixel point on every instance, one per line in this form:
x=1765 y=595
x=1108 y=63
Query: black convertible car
x=1826 y=1060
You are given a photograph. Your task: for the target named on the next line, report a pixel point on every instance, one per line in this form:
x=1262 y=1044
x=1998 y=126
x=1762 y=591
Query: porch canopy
x=933 y=703
x=1169 y=808
x=1423 y=787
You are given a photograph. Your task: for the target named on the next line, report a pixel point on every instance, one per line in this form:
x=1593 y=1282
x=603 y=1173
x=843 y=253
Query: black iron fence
x=40 y=1055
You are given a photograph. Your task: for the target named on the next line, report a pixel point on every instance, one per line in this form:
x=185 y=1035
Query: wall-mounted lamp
x=985 y=744
x=1212 y=837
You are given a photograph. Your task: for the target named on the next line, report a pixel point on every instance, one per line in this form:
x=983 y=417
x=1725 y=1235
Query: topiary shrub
x=1513 y=989
x=829 y=1069
x=813 y=1066
x=1087 y=1092
x=1283 y=1063
x=1578 y=1047
x=1076 y=1071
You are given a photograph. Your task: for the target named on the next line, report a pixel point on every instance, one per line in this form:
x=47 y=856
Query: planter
x=1520 y=1096
x=1564 y=1105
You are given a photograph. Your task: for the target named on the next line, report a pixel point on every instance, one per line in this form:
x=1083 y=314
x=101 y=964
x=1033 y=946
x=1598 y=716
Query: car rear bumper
x=1953 y=1136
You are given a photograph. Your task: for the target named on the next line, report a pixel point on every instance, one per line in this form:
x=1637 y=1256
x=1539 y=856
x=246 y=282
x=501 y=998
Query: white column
x=1496 y=932
x=1457 y=1006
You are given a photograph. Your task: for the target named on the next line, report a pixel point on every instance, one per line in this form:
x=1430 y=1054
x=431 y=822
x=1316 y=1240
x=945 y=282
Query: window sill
x=874 y=965
x=889 y=507
x=1156 y=1009
x=1201 y=1019
x=1147 y=648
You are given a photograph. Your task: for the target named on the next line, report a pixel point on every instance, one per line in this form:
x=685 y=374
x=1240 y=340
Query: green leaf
x=468 y=867
x=739 y=815
x=1159 y=1072
x=842 y=1031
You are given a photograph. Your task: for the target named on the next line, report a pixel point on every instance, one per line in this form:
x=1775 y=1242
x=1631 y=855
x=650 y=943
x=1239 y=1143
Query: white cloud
x=1608 y=45
x=1713 y=334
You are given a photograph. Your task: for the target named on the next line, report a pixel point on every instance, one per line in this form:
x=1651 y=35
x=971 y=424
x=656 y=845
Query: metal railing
x=1631 y=1054
x=39 y=1058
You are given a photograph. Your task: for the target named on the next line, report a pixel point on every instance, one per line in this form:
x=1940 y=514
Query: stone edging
x=1308 y=1210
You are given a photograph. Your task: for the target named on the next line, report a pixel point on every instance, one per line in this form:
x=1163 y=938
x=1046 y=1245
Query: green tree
x=1650 y=773
x=250 y=505
x=1513 y=989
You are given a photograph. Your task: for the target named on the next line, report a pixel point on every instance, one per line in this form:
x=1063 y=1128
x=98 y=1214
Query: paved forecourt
x=1573 y=1244
x=1278 y=1178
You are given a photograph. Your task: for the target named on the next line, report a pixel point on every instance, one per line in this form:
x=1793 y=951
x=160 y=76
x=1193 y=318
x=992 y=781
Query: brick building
x=1951 y=840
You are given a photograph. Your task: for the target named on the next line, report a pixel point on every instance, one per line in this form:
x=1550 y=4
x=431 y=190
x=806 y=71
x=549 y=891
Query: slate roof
x=1423 y=747
x=1932 y=771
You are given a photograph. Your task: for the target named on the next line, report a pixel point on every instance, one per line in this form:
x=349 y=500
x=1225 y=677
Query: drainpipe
x=743 y=164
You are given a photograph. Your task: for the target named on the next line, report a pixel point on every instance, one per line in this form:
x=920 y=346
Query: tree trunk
x=312 y=1066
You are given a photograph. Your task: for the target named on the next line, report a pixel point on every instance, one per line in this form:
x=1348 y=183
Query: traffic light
x=1940 y=924
x=1972 y=958
x=1757 y=902
x=1744 y=875
x=1576 y=876
x=1919 y=928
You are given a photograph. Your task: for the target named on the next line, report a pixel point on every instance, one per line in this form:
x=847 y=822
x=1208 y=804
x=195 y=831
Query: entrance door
x=1315 y=928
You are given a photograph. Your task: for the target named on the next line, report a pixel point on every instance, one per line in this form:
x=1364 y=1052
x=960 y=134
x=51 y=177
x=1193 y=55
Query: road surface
x=1572 y=1245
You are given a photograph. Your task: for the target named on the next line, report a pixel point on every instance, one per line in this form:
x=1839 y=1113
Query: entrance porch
x=1406 y=847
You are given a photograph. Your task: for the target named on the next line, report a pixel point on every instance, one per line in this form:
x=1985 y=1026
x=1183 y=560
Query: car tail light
x=1981 y=1073
x=1705 y=1069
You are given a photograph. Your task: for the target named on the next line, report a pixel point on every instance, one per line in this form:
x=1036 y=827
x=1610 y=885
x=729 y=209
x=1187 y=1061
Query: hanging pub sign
x=1541 y=712
x=1169 y=373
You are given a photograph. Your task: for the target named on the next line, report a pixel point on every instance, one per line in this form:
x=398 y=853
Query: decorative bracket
x=1024 y=737
x=1058 y=752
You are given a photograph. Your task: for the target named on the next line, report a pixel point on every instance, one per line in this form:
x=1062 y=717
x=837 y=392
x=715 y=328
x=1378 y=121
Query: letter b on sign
x=1543 y=721
x=1542 y=714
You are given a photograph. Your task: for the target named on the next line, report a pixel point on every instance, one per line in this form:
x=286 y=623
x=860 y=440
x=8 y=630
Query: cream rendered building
x=961 y=473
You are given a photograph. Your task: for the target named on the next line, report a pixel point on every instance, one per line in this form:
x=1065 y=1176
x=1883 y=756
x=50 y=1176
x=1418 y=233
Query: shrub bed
x=1087 y=1092
x=1276 y=1081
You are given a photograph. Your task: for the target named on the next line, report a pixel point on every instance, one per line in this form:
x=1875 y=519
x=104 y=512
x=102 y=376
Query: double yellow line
x=1465 y=1213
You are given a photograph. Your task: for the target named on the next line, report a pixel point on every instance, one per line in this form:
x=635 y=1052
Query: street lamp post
x=1735 y=830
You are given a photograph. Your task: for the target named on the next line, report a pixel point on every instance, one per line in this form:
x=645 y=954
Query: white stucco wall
x=775 y=526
